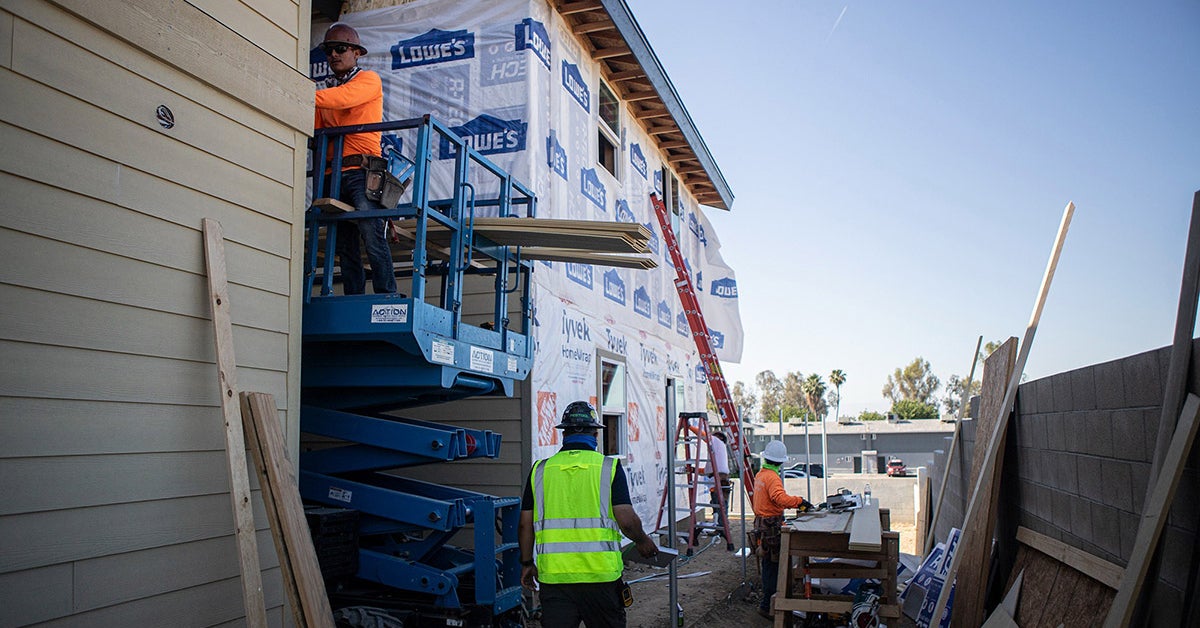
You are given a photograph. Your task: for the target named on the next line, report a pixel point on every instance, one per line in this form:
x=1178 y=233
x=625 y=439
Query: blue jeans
x=770 y=580
x=371 y=231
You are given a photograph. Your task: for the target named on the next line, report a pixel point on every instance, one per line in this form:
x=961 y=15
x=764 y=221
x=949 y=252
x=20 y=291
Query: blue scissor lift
x=365 y=356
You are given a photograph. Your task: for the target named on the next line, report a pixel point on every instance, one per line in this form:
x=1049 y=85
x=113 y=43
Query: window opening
x=608 y=130
x=612 y=405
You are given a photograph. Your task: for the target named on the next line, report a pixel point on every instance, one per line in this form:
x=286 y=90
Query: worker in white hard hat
x=770 y=500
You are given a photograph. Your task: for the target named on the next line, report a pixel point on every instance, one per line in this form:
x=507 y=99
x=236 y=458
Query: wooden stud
x=627 y=75
x=289 y=529
x=1155 y=515
x=235 y=446
x=637 y=96
x=674 y=144
x=601 y=54
x=584 y=28
x=1097 y=568
x=332 y=206
x=989 y=459
x=583 y=6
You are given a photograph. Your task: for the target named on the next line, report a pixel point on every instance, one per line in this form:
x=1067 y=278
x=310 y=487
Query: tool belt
x=767 y=536
x=381 y=185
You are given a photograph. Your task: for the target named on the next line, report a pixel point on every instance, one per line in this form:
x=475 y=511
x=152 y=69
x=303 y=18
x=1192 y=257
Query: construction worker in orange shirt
x=770 y=500
x=354 y=96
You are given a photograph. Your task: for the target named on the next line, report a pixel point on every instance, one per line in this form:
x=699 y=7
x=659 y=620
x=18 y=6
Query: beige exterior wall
x=115 y=506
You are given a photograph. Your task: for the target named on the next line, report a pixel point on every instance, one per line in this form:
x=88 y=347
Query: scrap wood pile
x=1052 y=583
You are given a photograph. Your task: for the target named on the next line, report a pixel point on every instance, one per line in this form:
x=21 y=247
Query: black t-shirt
x=620 y=486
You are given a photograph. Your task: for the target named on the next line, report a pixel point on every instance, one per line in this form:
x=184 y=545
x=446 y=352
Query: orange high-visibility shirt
x=359 y=101
x=769 y=496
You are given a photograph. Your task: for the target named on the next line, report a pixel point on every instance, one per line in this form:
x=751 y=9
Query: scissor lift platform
x=367 y=356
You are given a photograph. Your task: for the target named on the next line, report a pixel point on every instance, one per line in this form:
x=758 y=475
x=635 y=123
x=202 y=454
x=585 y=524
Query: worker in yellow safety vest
x=575 y=507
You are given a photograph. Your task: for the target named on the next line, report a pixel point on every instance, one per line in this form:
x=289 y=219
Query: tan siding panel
x=54 y=319
x=35 y=107
x=196 y=607
x=81 y=481
x=68 y=217
x=111 y=580
x=35 y=595
x=60 y=373
x=123 y=54
x=491 y=477
x=58 y=267
x=192 y=41
x=258 y=29
x=57 y=536
x=98 y=178
x=286 y=15
x=6 y=26
x=62 y=427
x=73 y=70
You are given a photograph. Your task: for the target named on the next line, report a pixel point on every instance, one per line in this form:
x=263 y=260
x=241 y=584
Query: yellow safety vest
x=575 y=535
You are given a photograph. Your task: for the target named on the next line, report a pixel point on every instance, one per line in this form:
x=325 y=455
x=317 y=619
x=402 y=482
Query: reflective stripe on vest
x=572 y=543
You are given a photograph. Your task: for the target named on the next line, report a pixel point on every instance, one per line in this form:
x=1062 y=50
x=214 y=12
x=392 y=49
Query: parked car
x=896 y=468
x=792 y=473
x=815 y=470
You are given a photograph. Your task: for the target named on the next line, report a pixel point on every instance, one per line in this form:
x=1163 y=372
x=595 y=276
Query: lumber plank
x=978 y=531
x=332 y=206
x=1097 y=568
x=865 y=533
x=1155 y=515
x=289 y=529
x=990 y=453
x=551 y=254
x=600 y=236
x=235 y=446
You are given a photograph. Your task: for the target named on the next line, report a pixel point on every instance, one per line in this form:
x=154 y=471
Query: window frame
x=605 y=133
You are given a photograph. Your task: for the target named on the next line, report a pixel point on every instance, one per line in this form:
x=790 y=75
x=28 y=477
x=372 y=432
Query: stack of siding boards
x=602 y=243
x=582 y=241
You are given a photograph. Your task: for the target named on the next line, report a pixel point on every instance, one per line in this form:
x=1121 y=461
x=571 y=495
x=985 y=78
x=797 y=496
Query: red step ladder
x=708 y=357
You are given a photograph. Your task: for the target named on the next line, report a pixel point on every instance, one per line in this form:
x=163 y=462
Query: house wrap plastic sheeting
x=511 y=79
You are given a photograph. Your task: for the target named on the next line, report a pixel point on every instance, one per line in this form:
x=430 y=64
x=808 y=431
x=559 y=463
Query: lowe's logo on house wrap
x=681 y=324
x=658 y=183
x=318 y=65
x=573 y=81
x=580 y=274
x=489 y=135
x=725 y=288
x=641 y=301
x=653 y=242
x=701 y=374
x=717 y=338
x=623 y=213
x=614 y=287
x=532 y=35
x=664 y=314
x=436 y=46
x=556 y=156
x=696 y=228
x=593 y=189
x=637 y=159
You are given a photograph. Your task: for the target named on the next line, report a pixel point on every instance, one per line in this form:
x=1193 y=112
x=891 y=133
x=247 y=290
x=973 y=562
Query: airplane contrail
x=836 y=22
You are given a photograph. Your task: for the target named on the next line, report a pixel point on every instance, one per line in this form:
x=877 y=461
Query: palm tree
x=814 y=394
x=837 y=378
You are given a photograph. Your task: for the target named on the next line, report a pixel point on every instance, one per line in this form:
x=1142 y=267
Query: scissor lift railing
x=414 y=347
x=366 y=355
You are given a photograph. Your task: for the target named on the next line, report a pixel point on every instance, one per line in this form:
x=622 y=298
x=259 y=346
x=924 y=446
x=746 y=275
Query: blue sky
x=900 y=170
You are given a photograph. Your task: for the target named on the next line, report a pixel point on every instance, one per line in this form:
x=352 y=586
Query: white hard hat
x=776 y=452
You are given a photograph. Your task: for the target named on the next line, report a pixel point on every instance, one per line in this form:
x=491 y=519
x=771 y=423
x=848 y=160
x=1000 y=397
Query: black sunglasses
x=337 y=48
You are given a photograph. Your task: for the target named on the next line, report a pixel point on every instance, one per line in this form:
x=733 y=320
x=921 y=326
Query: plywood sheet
x=977 y=539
